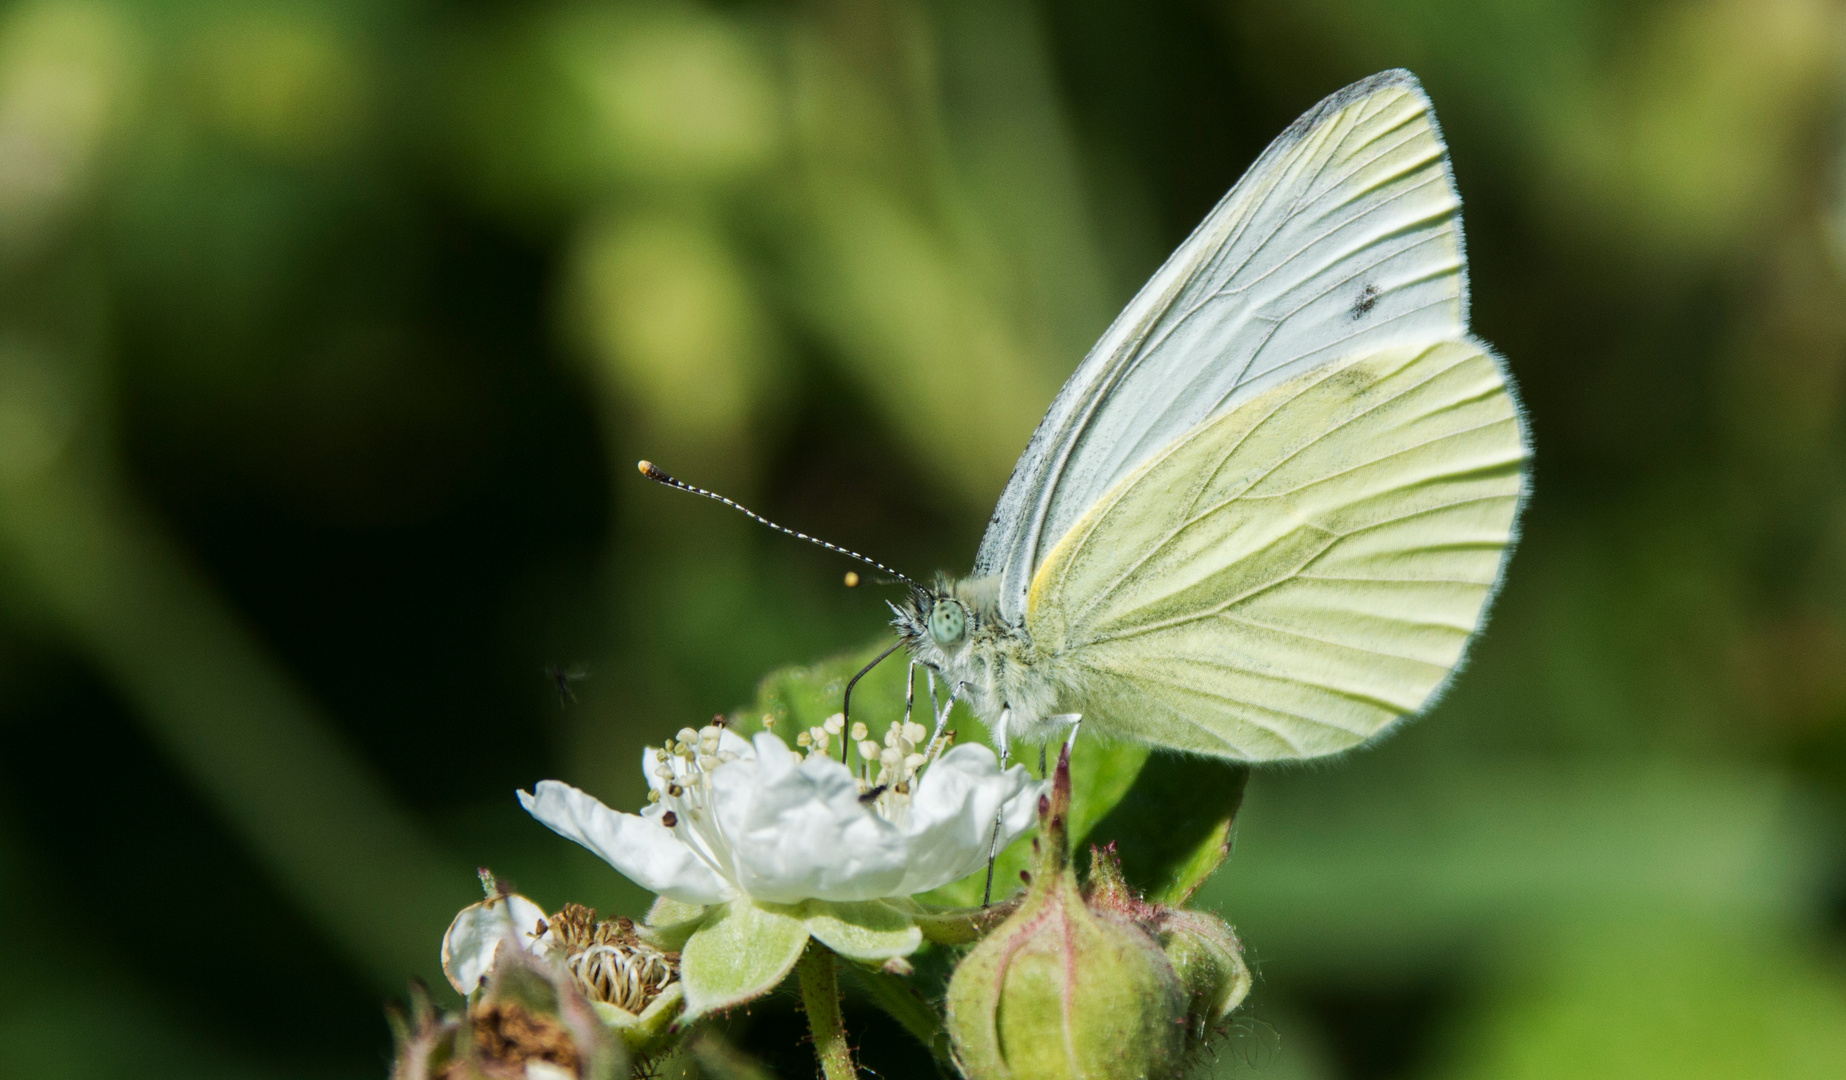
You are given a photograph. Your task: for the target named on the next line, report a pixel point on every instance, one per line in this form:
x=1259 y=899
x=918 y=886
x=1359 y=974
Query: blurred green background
x=329 y=333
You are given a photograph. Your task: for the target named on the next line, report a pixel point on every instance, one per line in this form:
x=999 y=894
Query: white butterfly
x=1267 y=513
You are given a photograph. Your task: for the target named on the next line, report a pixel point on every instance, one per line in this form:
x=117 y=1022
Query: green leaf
x=740 y=952
x=1172 y=827
x=801 y=697
x=867 y=930
x=1101 y=773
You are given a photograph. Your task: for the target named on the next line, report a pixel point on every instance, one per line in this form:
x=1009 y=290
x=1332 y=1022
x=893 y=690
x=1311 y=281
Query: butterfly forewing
x=1343 y=238
x=1289 y=578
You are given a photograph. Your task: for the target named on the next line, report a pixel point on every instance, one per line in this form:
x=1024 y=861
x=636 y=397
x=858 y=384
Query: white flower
x=756 y=820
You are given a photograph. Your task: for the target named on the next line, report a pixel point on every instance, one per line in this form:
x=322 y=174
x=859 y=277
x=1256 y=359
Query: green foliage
x=1172 y=829
x=1641 y=1003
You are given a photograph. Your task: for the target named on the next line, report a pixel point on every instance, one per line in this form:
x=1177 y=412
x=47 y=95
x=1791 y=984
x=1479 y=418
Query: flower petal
x=740 y=953
x=642 y=847
x=798 y=831
x=475 y=937
x=950 y=830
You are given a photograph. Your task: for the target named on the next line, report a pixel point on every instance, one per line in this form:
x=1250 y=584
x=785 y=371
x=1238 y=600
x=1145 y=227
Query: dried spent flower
x=527 y=1020
x=622 y=979
x=611 y=963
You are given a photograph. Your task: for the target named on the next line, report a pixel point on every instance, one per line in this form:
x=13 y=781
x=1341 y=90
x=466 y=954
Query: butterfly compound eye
x=948 y=623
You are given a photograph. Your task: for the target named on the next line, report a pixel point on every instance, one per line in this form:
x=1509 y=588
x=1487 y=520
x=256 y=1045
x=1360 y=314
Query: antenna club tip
x=852 y=579
x=646 y=467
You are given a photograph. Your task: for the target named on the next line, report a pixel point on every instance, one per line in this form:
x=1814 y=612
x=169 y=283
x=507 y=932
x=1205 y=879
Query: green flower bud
x=1061 y=991
x=1202 y=948
x=1209 y=961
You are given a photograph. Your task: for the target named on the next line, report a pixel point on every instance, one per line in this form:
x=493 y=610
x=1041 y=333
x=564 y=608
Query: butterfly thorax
x=957 y=630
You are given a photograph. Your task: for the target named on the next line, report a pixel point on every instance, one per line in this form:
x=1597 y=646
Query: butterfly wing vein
x=1309 y=567
x=1344 y=237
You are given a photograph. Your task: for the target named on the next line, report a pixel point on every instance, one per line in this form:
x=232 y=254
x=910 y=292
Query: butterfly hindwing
x=1286 y=580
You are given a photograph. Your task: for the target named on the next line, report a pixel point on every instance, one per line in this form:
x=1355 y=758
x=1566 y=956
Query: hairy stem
x=820 y=996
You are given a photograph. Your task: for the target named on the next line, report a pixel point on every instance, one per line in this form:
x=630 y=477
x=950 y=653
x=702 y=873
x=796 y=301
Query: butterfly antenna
x=657 y=475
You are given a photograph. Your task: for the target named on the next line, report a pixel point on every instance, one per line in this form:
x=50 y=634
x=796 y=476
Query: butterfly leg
x=941 y=713
x=910 y=690
x=936 y=712
x=993 y=845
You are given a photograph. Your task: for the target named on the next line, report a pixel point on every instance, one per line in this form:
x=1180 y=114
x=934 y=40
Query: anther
x=669 y=819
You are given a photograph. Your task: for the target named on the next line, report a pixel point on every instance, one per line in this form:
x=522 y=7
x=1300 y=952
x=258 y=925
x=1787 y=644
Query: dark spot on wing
x=1352 y=382
x=1368 y=299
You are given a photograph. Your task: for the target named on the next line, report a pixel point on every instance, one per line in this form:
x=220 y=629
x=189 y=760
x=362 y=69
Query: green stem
x=820 y=996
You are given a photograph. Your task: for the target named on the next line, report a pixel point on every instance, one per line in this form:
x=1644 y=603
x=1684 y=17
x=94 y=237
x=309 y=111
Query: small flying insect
x=562 y=678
